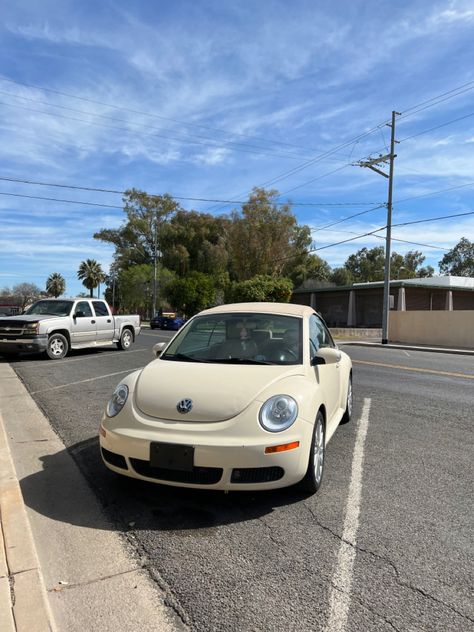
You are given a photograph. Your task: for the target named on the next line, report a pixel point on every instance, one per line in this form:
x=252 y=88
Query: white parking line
x=90 y=379
x=102 y=354
x=340 y=597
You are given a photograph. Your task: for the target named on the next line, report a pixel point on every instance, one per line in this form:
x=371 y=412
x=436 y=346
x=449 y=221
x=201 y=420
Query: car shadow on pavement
x=119 y=503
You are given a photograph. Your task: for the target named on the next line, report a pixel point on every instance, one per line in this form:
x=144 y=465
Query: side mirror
x=326 y=355
x=158 y=348
x=79 y=314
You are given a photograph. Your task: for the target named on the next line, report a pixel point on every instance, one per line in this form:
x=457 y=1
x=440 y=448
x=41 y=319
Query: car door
x=83 y=328
x=328 y=376
x=104 y=322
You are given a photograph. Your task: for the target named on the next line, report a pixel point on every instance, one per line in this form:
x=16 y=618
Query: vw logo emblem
x=184 y=406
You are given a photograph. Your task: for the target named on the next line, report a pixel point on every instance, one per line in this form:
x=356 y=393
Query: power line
x=434 y=219
x=153 y=135
x=416 y=197
x=405 y=241
x=156 y=116
x=37 y=197
x=214 y=141
x=414 y=109
x=345 y=219
x=431 y=129
x=338 y=243
x=190 y=199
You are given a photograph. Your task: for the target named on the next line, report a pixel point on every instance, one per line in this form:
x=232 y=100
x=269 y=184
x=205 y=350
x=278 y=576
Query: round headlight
x=117 y=401
x=278 y=413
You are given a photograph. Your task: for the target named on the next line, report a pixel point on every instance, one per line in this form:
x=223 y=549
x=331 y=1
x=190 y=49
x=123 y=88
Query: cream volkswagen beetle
x=244 y=397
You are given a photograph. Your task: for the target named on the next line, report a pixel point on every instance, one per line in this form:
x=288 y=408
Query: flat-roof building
x=360 y=304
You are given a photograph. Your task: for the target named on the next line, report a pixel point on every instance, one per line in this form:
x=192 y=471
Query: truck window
x=100 y=308
x=84 y=309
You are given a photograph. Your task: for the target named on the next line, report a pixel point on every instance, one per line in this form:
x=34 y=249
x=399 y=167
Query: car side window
x=100 y=308
x=319 y=335
x=84 y=308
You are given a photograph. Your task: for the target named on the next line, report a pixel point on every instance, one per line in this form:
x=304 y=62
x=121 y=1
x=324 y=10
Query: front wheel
x=346 y=417
x=126 y=340
x=314 y=474
x=58 y=347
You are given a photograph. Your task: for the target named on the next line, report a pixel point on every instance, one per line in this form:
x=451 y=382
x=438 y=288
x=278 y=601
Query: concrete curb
x=67 y=567
x=360 y=343
x=23 y=600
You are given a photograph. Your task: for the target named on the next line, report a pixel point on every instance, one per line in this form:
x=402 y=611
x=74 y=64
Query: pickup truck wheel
x=57 y=347
x=126 y=340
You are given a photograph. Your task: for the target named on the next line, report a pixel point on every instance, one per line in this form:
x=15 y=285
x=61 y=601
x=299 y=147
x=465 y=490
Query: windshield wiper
x=181 y=357
x=239 y=361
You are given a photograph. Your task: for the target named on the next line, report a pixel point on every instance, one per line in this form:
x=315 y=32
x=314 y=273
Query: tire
x=126 y=340
x=346 y=417
x=314 y=474
x=58 y=347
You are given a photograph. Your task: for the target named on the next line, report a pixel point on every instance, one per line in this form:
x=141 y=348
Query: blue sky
x=208 y=99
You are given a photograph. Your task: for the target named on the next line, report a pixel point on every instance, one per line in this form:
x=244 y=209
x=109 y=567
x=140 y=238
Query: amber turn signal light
x=282 y=448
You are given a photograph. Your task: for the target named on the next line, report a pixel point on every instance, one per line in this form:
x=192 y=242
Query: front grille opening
x=197 y=476
x=114 y=459
x=256 y=474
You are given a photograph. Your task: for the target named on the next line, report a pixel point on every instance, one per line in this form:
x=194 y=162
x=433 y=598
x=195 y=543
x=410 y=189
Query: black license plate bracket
x=172 y=456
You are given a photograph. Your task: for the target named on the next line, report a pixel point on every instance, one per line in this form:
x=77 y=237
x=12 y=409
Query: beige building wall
x=437 y=328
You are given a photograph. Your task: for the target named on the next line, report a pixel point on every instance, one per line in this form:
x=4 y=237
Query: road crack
x=401 y=582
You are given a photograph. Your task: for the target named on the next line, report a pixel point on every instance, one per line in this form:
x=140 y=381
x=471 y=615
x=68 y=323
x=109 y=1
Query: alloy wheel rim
x=126 y=340
x=318 y=452
x=349 y=398
x=56 y=347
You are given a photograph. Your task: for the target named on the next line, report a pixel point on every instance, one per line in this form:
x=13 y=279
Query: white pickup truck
x=57 y=325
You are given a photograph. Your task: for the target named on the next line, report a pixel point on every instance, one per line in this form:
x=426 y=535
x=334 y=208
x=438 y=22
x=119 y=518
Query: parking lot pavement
x=386 y=544
x=66 y=567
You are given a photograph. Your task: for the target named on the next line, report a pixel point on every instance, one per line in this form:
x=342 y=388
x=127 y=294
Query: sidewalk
x=63 y=566
x=23 y=601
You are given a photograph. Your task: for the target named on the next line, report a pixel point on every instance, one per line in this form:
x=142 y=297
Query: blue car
x=167 y=322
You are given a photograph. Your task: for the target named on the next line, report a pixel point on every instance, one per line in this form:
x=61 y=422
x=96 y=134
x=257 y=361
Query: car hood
x=23 y=319
x=218 y=391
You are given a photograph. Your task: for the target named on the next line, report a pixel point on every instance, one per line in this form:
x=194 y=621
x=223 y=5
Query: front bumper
x=23 y=344
x=223 y=460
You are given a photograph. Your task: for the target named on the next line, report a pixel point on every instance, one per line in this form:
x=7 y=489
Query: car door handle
x=92 y=322
x=108 y=320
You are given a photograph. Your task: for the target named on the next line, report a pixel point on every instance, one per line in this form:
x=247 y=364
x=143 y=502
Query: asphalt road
x=387 y=543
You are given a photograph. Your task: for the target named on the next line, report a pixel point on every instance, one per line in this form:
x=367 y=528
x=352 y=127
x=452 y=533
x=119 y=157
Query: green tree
x=366 y=265
x=369 y=265
x=191 y=294
x=264 y=237
x=91 y=274
x=459 y=261
x=55 y=284
x=341 y=276
x=261 y=288
x=310 y=269
x=140 y=236
x=195 y=241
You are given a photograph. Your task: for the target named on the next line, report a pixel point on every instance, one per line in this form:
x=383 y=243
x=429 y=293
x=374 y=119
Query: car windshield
x=50 y=308
x=239 y=338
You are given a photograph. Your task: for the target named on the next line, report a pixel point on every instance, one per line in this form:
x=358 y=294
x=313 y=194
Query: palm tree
x=55 y=285
x=91 y=274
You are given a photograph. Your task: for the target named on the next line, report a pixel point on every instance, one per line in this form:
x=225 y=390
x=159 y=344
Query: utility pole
x=390 y=158
x=155 y=255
